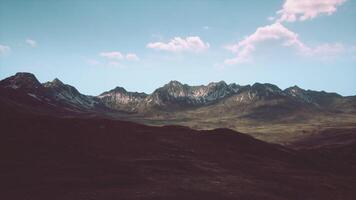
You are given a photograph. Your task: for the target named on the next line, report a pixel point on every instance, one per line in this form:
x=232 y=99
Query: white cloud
x=114 y=55
x=31 y=43
x=132 y=57
x=301 y=10
x=177 y=44
x=206 y=27
x=244 y=49
x=4 y=49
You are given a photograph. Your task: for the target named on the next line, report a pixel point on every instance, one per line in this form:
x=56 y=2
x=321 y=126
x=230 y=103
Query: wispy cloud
x=301 y=10
x=114 y=57
x=244 y=49
x=4 y=49
x=178 y=44
x=327 y=50
x=31 y=43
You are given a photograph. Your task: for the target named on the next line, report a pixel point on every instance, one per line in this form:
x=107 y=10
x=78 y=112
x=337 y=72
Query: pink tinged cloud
x=178 y=44
x=244 y=49
x=301 y=10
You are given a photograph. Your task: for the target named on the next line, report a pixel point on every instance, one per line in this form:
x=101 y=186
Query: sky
x=142 y=45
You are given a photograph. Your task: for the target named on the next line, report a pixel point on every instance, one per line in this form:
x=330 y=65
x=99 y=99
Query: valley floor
x=280 y=131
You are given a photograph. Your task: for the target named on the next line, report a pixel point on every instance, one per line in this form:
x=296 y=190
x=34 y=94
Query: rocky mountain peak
x=121 y=99
x=22 y=80
x=117 y=90
x=56 y=83
x=265 y=90
x=63 y=91
x=173 y=86
x=266 y=86
x=25 y=75
x=294 y=91
x=174 y=83
x=220 y=83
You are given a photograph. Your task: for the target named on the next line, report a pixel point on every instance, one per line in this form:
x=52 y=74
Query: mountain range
x=216 y=105
x=175 y=95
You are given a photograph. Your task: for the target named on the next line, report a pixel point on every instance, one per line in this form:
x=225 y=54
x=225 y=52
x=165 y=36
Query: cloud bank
x=292 y=10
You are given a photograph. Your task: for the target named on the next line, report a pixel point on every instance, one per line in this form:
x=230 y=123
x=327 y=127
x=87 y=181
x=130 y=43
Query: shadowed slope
x=58 y=158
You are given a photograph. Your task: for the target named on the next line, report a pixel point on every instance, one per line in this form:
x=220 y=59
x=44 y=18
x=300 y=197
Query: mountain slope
x=69 y=94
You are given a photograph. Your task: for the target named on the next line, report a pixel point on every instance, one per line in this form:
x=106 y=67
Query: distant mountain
x=262 y=101
x=24 y=89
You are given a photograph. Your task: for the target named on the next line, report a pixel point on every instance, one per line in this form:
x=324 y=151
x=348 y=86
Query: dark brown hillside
x=58 y=158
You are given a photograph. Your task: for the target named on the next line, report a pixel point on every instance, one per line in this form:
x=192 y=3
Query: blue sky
x=141 y=45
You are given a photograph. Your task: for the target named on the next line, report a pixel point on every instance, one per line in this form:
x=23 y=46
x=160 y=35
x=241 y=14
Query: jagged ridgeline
x=177 y=96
